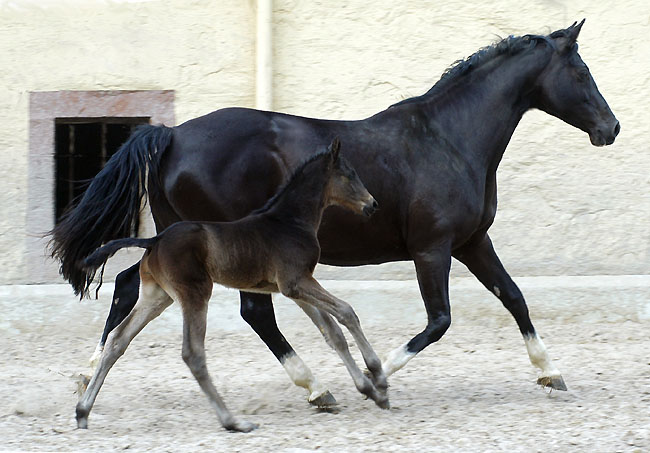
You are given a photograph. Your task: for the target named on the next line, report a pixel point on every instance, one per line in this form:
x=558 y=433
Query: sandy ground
x=473 y=391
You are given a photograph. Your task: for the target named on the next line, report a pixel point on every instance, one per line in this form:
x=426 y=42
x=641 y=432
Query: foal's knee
x=347 y=316
x=195 y=362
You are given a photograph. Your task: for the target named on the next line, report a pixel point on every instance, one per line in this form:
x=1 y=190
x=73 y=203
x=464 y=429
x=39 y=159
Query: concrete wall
x=565 y=207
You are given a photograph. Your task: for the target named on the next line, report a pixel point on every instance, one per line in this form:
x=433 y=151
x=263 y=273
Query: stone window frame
x=44 y=108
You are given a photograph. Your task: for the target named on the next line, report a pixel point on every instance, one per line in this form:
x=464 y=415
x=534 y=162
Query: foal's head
x=344 y=187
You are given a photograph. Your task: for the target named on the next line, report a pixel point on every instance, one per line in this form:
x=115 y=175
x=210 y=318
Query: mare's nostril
x=617 y=128
x=375 y=204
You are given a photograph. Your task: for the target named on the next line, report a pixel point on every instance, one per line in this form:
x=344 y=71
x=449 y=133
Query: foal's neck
x=304 y=202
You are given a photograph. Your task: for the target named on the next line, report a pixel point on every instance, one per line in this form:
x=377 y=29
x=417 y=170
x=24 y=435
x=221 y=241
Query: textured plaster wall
x=565 y=207
x=203 y=50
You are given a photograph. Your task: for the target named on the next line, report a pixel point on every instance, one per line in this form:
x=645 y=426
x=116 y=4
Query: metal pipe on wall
x=264 y=56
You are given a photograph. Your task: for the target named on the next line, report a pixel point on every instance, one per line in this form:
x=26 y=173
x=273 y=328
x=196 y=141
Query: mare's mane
x=511 y=45
x=292 y=181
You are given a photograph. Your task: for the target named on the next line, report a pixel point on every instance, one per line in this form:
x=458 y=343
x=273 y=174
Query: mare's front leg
x=125 y=296
x=482 y=261
x=432 y=268
x=257 y=311
x=153 y=301
x=308 y=292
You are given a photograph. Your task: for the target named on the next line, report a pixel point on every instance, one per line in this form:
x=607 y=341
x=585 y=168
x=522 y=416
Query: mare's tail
x=101 y=255
x=110 y=205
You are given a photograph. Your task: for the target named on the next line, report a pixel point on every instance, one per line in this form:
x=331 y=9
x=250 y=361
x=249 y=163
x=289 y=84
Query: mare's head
x=345 y=189
x=566 y=90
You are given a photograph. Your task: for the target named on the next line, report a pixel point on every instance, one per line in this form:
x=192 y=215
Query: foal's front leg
x=334 y=337
x=317 y=303
x=257 y=311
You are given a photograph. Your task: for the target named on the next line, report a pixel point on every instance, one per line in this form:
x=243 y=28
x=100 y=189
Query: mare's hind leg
x=257 y=311
x=481 y=259
x=195 y=310
x=153 y=301
x=309 y=291
x=124 y=298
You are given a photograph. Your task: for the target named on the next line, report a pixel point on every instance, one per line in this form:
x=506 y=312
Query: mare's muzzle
x=606 y=135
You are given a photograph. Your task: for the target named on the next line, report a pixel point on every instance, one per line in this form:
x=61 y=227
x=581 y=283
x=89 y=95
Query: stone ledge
x=551 y=300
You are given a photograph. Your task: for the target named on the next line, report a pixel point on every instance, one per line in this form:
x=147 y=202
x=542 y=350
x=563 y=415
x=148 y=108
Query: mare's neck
x=477 y=114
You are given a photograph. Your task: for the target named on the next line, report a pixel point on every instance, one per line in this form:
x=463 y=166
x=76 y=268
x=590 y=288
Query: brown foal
x=274 y=249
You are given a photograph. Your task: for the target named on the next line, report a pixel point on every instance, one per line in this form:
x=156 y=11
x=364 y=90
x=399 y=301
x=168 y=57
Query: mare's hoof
x=241 y=426
x=325 y=401
x=554 y=382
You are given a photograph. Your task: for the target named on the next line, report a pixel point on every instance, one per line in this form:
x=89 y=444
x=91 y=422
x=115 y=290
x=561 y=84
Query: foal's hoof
x=554 y=382
x=82 y=418
x=326 y=401
x=383 y=402
x=380 y=382
x=241 y=426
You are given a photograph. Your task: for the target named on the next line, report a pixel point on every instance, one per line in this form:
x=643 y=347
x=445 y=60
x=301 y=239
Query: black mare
x=430 y=161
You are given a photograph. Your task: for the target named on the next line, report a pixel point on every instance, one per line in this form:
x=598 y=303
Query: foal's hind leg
x=257 y=311
x=153 y=301
x=481 y=259
x=309 y=291
x=195 y=310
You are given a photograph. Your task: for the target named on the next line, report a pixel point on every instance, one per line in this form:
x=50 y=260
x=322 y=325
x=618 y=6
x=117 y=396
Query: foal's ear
x=335 y=148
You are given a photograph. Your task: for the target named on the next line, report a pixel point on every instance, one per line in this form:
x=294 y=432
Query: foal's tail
x=110 y=205
x=101 y=255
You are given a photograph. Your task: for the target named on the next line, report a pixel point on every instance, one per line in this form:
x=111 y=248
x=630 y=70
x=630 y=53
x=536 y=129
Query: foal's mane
x=292 y=181
x=511 y=45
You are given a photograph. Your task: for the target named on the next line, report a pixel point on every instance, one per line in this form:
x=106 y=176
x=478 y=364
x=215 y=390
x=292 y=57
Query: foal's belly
x=262 y=287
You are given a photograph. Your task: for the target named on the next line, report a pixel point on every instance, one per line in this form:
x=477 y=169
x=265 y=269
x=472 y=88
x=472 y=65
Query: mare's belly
x=347 y=239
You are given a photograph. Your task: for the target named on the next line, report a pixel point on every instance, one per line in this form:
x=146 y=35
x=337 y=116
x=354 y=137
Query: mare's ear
x=335 y=148
x=567 y=38
x=574 y=31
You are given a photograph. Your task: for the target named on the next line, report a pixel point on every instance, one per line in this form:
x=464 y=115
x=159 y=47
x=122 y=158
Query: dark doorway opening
x=82 y=148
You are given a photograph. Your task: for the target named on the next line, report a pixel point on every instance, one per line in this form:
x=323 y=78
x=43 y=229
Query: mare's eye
x=583 y=76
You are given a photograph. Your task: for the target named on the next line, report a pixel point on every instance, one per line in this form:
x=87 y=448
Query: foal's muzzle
x=370 y=208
